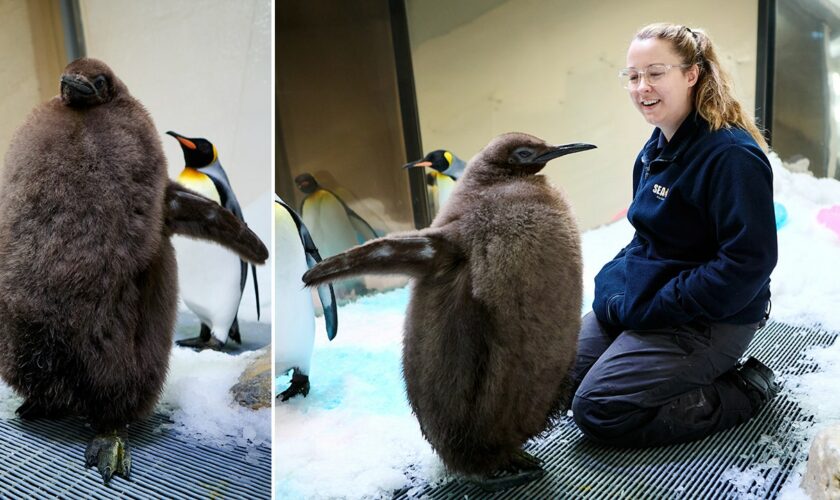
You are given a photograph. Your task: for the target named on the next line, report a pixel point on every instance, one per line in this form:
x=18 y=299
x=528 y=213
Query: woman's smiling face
x=669 y=101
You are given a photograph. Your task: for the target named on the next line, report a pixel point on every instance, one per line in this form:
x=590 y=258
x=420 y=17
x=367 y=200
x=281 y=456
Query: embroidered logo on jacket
x=660 y=191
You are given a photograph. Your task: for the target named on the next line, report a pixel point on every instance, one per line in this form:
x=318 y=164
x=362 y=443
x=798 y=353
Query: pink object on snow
x=830 y=218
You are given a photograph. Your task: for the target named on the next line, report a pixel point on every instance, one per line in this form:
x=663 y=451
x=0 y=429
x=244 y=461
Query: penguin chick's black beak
x=562 y=150
x=78 y=85
x=418 y=163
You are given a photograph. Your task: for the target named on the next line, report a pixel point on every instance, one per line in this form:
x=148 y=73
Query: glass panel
x=806 y=100
x=338 y=110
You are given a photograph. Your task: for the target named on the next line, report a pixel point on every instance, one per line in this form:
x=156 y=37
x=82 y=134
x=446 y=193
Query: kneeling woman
x=674 y=311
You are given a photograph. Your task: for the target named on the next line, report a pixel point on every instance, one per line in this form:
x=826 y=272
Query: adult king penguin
x=212 y=278
x=446 y=170
x=491 y=327
x=88 y=279
x=334 y=226
x=294 y=318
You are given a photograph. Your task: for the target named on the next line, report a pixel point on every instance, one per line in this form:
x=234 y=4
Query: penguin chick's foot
x=501 y=481
x=523 y=460
x=110 y=454
x=299 y=385
x=200 y=344
x=522 y=468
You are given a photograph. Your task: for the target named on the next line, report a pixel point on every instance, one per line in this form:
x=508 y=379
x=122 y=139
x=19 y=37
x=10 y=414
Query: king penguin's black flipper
x=190 y=214
x=228 y=200
x=364 y=231
x=313 y=257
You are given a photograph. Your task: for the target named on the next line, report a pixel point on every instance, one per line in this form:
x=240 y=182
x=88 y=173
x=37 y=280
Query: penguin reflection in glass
x=294 y=314
x=490 y=334
x=212 y=279
x=88 y=278
x=446 y=169
x=334 y=226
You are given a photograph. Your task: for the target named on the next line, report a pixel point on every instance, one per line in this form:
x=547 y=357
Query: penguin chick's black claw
x=523 y=460
x=110 y=454
x=299 y=385
x=200 y=343
x=190 y=214
x=499 y=482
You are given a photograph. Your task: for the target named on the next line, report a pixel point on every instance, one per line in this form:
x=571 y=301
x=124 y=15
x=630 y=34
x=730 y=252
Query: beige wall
x=548 y=67
x=19 y=72
x=201 y=68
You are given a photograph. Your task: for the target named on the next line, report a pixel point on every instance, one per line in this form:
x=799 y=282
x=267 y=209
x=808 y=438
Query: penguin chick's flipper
x=299 y=385
x=415 y=254
x=110 y=454
x=190 y=214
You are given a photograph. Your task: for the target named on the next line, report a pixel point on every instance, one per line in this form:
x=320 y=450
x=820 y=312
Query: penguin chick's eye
x=520 y=155
x=99 y=82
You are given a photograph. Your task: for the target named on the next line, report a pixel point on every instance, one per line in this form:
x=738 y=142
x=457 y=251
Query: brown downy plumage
x=88 y=284
x=491 y=328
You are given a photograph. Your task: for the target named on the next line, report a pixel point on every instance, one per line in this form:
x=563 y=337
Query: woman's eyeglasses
x=631 y=78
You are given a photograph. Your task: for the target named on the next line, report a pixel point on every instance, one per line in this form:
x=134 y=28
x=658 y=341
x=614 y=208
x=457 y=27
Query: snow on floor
x=197 y=399
x=354 y=435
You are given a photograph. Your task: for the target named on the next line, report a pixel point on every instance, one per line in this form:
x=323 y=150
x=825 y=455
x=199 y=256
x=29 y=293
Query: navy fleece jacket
x=705 y=241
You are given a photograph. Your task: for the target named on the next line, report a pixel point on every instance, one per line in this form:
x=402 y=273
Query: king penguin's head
x=517 y=154
x=197 y=152
x=439 y=159
x=306 y=183
x=89 y=82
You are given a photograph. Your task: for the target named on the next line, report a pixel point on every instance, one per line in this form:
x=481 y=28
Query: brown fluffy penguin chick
x=491 y=328
x=88 y=284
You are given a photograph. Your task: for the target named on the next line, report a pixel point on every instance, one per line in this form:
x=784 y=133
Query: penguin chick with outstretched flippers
x=294 y=317
x=88 y=278
x=494 y=312
x=446 y=170
x=212 y=296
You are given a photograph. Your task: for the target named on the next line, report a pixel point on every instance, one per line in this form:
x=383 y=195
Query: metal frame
x=765 y=67
x=74 y=35
x=409 y=113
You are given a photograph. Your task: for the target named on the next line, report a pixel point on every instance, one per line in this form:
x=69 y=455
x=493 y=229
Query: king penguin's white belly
x=294 y=317
x=328 y=224
x=445 y=187
x=208 y=281
x=208 y=274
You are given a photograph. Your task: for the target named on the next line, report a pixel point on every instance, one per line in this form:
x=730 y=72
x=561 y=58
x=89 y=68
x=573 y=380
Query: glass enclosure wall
x=806 y=99
x=339 y=121
x=549 y=68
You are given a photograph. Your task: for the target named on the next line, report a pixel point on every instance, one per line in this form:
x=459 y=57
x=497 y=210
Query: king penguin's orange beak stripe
x=186 y=142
